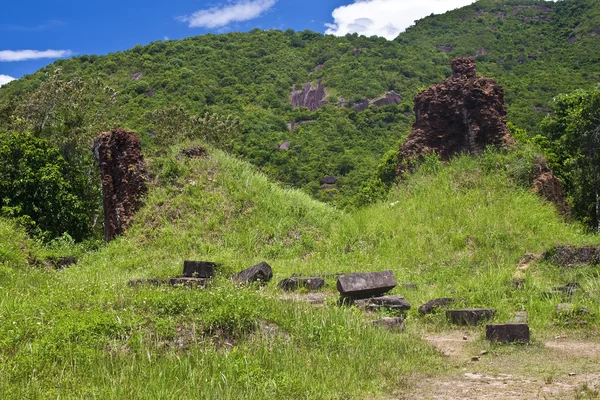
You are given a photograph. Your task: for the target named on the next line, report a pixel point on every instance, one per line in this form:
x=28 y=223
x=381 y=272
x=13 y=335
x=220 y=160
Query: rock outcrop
x=548 y=186
x=463 y=114
x=123 y=172
x=311 y=96
x=390 y=97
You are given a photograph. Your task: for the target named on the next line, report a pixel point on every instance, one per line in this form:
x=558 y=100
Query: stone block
x=199 y=269
x=365 y=285
x=395 y=303
x=295 y=283
x=471 y=316
x=393 y=324
x=433 y=305
x=507 y=333
x=257 y=273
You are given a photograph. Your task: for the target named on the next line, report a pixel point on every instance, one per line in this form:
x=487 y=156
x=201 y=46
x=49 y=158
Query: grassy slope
x=454 y=231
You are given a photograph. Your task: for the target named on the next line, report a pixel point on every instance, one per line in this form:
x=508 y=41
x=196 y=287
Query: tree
x=64 y=114
x=36 y=188
x=574 y=140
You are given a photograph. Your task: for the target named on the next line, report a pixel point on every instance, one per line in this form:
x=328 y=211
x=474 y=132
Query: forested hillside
x=535 y=49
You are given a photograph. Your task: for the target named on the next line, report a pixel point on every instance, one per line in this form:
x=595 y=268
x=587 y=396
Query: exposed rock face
x=390 y=97
x=463 y=114
x=311 y=96
x=547 y=185
x=284 y=146
x=123 y=171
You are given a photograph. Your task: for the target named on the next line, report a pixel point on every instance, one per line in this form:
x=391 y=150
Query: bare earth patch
x=561 y=368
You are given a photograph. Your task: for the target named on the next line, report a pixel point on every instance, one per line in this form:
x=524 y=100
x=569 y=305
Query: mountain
x=358 y=91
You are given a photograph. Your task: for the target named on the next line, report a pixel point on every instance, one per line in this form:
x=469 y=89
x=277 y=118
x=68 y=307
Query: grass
x=454 y=231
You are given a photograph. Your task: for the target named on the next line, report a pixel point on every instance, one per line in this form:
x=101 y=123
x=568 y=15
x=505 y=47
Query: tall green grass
x=454 y=230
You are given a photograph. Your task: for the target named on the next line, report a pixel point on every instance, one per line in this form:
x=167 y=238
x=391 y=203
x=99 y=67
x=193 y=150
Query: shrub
x=35 y=189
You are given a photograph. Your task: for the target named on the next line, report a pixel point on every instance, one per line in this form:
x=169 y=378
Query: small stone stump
x=199 y=269
x=471 y=316
x=365 y=285
x=257 y=273
x=507 y=333
x=295 y=283
x=393 y=324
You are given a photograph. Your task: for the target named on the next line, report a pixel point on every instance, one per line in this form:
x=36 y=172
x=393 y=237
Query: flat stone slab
x=396 y=303
x=434 y=305
x=393 y=324
x=507 y=333
x=295 y=283
x=147 y=281
x=257 y=273
x=182 y=281
x=189 y=282
x=199 y=269
x=367 y=284
x=470 y=316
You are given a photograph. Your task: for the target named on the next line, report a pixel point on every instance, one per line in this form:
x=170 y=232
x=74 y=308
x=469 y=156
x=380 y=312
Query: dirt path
x=561 y=368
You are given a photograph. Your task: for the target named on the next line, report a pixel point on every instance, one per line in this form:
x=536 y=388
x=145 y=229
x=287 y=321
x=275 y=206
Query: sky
x=34 y=33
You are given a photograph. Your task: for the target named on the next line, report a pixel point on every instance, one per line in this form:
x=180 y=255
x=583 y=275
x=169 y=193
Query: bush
x=35 y=189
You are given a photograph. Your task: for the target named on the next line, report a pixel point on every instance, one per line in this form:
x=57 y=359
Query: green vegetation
x=456 y=230
x=535 y=49
x=572 y=139
x=36 y=188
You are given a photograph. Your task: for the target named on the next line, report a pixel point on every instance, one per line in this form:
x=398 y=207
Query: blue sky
x=34 y=33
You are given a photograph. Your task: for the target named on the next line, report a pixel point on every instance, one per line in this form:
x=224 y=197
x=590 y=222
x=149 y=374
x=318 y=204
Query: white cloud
x=23 y=55
x=4 y=79
x=215 y=17
x=386 y=18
